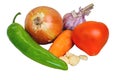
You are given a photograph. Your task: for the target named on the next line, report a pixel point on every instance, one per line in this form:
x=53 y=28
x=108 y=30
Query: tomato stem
x=15 y=17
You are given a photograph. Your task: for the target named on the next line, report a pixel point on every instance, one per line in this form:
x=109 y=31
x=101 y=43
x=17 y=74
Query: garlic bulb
x=71 y=20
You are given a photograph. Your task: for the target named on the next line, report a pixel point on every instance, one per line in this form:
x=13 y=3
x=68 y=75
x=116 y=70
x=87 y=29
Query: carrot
x=62 y=43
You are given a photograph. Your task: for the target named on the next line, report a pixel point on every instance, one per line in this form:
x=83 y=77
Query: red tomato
x=43 y=24
x=90 y=36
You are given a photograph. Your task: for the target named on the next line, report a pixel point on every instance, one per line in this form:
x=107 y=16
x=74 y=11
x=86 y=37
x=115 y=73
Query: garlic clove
x=64 y=58
x=74 y=60
x=83 y=57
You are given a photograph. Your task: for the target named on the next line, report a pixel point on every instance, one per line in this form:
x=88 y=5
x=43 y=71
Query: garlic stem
x=83 y=11
x=74 y=14
x=86 y=10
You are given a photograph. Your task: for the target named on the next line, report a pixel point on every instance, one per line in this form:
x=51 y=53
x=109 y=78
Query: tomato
x=44 y=24
x=90 y=36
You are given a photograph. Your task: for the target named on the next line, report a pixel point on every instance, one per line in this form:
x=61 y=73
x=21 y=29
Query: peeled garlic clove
x=83 y=57
x=68 y=54
x=74 y=60
x=64 y=58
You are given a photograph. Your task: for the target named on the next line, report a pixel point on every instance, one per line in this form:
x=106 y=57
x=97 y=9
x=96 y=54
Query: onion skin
x=71 y=20
x=44 y=24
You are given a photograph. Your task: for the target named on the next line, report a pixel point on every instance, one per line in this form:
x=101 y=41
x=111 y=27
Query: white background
x=106 y=65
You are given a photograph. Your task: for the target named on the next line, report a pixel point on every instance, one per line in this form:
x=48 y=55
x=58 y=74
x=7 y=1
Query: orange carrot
x=62 y=43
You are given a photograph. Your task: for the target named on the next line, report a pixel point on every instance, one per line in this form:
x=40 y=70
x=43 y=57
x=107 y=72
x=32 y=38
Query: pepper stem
x=15 y=17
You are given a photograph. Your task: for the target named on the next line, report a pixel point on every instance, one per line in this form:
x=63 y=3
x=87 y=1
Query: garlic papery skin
x=71 y=20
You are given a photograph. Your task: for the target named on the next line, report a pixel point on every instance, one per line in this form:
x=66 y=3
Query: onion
x=44 y=24
x=71 y=20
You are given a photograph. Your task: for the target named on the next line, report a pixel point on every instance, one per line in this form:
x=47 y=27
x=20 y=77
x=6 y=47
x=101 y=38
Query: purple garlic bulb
x=71 y=20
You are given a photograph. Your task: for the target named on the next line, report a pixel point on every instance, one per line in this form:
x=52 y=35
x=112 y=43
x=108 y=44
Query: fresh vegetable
x=62 y=43
x=23 y=41
x=90 y=36
x=71 y=20
x=73 y=59
x=44 y=24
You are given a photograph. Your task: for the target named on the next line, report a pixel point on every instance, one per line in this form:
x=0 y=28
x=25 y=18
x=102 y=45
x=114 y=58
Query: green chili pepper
x=23 y=41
